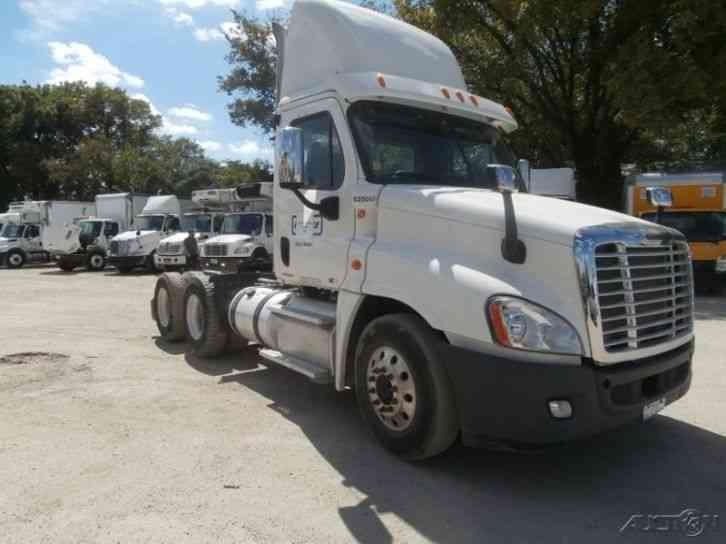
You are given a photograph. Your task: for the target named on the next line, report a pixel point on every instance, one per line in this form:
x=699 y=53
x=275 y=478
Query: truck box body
x=699 y=211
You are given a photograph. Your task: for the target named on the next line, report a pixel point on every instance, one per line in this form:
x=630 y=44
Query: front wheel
x=96 y=261
x=15 y=258
x=403 y=392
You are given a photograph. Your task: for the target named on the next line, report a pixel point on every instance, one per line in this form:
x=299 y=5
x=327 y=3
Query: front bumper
x=128 y=261
x=165 y=261
x=222 y=264
x=506 y=401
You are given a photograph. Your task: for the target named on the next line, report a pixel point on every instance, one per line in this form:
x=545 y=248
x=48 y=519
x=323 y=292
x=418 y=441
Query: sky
x=167 y=52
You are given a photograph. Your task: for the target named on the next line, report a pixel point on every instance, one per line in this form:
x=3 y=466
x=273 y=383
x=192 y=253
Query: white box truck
x=86 y=241
x=22 y=242
x=407 y=269
x=137 y=246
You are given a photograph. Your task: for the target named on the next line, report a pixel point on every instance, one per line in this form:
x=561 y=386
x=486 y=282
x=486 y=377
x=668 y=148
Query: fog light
x=560 y=409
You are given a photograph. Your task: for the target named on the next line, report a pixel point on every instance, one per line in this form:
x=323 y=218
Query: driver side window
x=172 y=223
x=32 y=231
x=324 y=165
x=110 y=229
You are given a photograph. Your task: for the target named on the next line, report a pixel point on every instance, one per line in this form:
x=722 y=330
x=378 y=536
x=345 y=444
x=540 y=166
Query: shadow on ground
x=582 y=492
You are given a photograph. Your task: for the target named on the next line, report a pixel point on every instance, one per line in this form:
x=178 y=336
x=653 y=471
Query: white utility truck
x=8 y=217
x=214 y=204
x=410 y=268
x=86 y=242
x=245 y=239
x=22 y=242
x=137 y=246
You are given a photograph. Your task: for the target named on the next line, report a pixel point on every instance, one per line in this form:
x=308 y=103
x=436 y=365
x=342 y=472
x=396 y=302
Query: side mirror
x=524 y=171
x=659 y=197
x=289 y=153
x=503 y=177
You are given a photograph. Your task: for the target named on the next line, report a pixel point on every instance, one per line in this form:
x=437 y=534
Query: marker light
x=445 y=92
x=460 y=96
x=381 y=80
x=474 y=100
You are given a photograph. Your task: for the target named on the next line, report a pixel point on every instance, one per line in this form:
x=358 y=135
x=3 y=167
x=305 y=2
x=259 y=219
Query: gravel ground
x=109 y=435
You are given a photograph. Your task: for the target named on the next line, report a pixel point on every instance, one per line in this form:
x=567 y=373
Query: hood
x=538 y=217
x=229 y=239
x=178 y=238
x=6 y=241
x=131 y=235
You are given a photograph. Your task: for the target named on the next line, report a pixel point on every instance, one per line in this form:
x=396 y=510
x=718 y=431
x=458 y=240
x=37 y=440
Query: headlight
x=519 y=324
x=244 y=250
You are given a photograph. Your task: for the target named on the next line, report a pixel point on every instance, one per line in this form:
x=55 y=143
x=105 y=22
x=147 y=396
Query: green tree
x=590 y=81
x=251 y=79
x=235 y=173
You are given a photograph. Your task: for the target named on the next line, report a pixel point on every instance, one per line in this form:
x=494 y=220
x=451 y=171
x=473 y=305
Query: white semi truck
x=410 y=268
x=137 y=246
x=22 y=241
x=214 y=205
x=86 y=242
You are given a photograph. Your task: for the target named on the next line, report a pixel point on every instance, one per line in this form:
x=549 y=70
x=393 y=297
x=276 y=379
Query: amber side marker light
x=445 y=92
x=497 y=320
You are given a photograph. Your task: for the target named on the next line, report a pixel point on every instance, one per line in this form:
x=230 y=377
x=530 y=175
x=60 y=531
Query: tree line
x=598 y=85
x=73 y=141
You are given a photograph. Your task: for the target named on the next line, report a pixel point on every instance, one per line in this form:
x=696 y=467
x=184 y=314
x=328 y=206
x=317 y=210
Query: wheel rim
x=195 y=316
x=162 y=307
x=391 y=388
x=15 y=259
x=96 y=261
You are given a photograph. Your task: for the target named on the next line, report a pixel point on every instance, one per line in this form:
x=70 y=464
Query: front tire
x=403 y=392
x=207 y=332
x=169 y=306
x=15 y=258
x=96 y=261
x=151 y=263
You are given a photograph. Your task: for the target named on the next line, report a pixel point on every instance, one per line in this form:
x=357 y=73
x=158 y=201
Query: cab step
x=313 y=371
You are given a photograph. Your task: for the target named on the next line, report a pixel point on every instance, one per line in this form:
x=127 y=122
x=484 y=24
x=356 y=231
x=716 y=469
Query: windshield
x=695 y=226
x=198 y=222
x=12 y=230
x=91 y=227
x=149 y=222
x=401 y=144
x=246 y=223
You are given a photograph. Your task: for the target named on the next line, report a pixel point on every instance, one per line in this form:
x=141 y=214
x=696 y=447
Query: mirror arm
x=329 y=207
x=513 y=249
x=295 y=188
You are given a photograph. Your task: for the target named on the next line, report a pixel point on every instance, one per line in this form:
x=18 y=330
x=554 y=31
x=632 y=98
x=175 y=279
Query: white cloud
x=173 y=129
x=250 y=149
x=210 y=145
x=208 y=34
x=152 y=108
x=179 y=17
x=196 y=4
x=53 y=15
x=189 y=112
x=78 y=62
x=263 y=5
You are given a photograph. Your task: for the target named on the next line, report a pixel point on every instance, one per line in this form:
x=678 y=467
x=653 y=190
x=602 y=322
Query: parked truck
x=214 y=205
x=22 y=241
x=86 y=241
x=137 y=246
x=411 y=266
x=8 y=217
x=698 y=211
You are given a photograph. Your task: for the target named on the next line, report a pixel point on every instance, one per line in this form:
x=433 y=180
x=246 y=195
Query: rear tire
x=15 y=258
x=65 y=265
x=168 y=304
x=402 y=389
x=96 y=261
x=207 y=332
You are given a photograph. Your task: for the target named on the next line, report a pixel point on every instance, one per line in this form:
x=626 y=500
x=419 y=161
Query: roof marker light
x=460 y=96
x=474 y=100
x=381 y=80
x=509 y=110
x=445 y=92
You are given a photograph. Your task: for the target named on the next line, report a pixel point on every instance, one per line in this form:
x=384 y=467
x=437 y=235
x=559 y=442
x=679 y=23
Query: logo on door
x=312 y=227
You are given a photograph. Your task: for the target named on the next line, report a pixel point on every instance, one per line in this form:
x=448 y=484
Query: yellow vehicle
x=698 y=211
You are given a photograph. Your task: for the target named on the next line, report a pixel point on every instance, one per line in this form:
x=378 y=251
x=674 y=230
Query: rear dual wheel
x=207 y=331
x=168 y=306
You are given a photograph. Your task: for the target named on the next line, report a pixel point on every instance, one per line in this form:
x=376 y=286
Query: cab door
x=31 y=239
x=311 y=250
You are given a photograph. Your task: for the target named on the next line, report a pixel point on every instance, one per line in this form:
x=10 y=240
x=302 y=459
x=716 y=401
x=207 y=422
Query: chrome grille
x=215 y=250
x=169 y=248
x=644 y=294
x=118 y=248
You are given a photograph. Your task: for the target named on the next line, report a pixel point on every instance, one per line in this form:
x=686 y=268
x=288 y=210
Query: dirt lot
x=108 y=435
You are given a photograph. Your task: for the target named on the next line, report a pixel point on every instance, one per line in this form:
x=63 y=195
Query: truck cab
x=20 y=243
x=172 y=253
x=245 y=240
x=137 y=246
